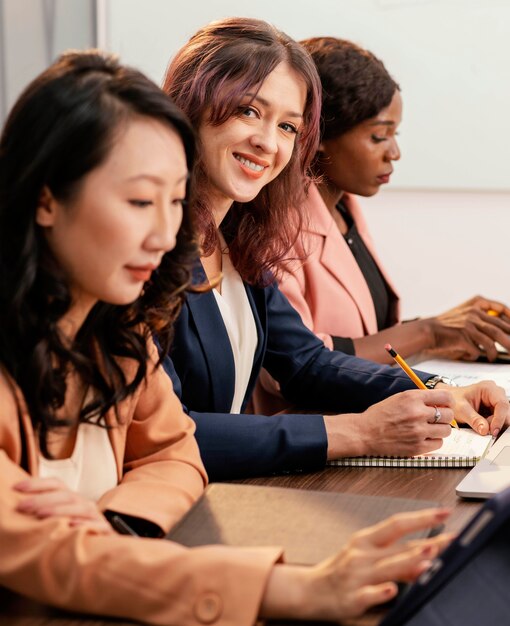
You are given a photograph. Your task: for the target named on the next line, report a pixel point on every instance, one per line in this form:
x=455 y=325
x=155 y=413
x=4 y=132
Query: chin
x=368 y=192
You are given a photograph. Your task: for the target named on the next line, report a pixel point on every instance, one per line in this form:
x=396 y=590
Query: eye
x=377 y=138
x=141 y=204
x=248 y=111
x=289 y=128
x=180 y=202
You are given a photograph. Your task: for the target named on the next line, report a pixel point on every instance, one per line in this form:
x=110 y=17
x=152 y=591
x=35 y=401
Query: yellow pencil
x=417 y=381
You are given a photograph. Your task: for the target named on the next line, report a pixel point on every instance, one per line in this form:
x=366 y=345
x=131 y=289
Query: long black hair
x=62 y=127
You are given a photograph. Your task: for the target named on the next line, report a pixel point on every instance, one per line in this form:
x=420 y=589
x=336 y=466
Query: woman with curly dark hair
x=253 y=95
x=95 y=251
x=361 y=113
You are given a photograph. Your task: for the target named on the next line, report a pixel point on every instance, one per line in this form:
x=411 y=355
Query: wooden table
x=425 y=484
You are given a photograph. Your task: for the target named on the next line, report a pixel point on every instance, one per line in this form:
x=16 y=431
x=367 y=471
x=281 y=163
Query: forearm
x=409 y=338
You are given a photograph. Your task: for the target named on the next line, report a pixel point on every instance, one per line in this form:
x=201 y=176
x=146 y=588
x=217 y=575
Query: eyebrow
x=266 y=103
x=382 y=123
x=155 y=179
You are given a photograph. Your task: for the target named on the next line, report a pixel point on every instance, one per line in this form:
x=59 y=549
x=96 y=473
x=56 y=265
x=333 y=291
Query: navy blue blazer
x=201 y=366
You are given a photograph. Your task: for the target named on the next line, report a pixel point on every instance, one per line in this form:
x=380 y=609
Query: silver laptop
x=491 y=474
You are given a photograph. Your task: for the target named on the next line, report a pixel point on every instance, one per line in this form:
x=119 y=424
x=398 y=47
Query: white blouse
x=91 y=470
x=238 y=318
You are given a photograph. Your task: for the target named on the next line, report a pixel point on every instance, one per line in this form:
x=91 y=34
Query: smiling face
x=250 y=149
x=123 y=218
x=360 y=160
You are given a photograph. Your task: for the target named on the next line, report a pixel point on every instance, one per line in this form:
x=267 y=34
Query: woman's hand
x=469 y=331
x=49 y=497
x=484 y=406
x=402 y=425
x=363 y=574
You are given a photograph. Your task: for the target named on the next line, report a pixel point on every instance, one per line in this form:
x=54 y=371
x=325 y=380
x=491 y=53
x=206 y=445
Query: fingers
x=371 y=595
x=58 y=503
x=486 y=396
x=395 y=527
x=441 y=415
x=39 y=485
x=406 y=565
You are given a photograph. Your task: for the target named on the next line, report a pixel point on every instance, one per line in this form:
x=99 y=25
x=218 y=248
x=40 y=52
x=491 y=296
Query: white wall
x=33 y=33
x=442 y=247
x=452 y=59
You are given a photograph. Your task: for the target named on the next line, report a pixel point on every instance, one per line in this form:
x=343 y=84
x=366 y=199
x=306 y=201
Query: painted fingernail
x=495 y=432
x=427 y=551
x=442 y=514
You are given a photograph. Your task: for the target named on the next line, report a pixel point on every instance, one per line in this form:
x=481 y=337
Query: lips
x=141 y=273
x=250 y=165
x=384 y=178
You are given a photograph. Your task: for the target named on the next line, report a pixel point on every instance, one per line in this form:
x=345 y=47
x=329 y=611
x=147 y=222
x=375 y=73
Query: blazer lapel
x=213 y=337
x=338 y=259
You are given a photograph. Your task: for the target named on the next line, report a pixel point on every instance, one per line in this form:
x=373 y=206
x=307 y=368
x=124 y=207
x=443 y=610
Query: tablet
x=468 y=584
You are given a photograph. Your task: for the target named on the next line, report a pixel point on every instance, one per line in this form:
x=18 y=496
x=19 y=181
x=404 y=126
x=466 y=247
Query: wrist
x=287 y=593
x=345 y=435
x=428 y=334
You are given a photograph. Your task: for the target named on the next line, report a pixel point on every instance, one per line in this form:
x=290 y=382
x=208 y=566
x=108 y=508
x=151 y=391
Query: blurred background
x=442 y=224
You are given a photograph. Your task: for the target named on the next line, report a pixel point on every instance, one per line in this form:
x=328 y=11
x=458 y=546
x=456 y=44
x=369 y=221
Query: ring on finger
x=437 y=415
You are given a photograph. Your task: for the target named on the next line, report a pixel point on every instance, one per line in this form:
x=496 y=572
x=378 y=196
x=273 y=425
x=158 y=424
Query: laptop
x=491 y=474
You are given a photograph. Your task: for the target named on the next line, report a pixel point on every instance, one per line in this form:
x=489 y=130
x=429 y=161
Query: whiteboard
x=451 y=58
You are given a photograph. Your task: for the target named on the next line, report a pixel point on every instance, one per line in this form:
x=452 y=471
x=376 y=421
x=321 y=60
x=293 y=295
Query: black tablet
x=469 y=583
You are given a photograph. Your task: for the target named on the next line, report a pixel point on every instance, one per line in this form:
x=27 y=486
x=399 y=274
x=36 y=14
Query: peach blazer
x=149 y=580
x=328 y=288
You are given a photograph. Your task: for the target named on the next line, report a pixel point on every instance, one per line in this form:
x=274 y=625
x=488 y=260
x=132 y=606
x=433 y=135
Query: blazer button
x=208 y=608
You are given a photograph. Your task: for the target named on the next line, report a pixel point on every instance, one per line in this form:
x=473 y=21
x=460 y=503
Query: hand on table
x=469 y=331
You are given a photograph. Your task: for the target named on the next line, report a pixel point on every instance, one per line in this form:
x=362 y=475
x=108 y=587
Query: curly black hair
x=63 y=126
x=355 y=84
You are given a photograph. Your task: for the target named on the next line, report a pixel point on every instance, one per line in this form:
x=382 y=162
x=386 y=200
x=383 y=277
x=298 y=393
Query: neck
x=220 y=206
x=73 y=320
x=330 y=194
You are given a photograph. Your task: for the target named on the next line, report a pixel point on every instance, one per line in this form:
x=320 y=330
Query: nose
x=265 y=139
x=393 y=152
x=165 y=226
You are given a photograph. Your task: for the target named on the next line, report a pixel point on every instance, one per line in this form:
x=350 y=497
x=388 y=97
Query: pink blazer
x=147 y=580
x=328 y=289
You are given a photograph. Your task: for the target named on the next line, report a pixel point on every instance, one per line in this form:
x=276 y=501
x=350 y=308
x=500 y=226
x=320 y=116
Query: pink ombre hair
x=210 y=76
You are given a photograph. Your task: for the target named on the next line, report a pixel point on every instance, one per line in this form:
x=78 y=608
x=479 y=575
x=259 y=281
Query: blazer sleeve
x=154 y=581
x=313 y=377
x=293 y=285
x=237 y=446
x=163 y=473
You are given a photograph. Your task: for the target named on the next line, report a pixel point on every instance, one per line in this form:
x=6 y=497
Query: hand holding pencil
x=417 y=381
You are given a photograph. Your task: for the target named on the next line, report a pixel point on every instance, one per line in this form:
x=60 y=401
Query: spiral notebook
x=462 y=448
